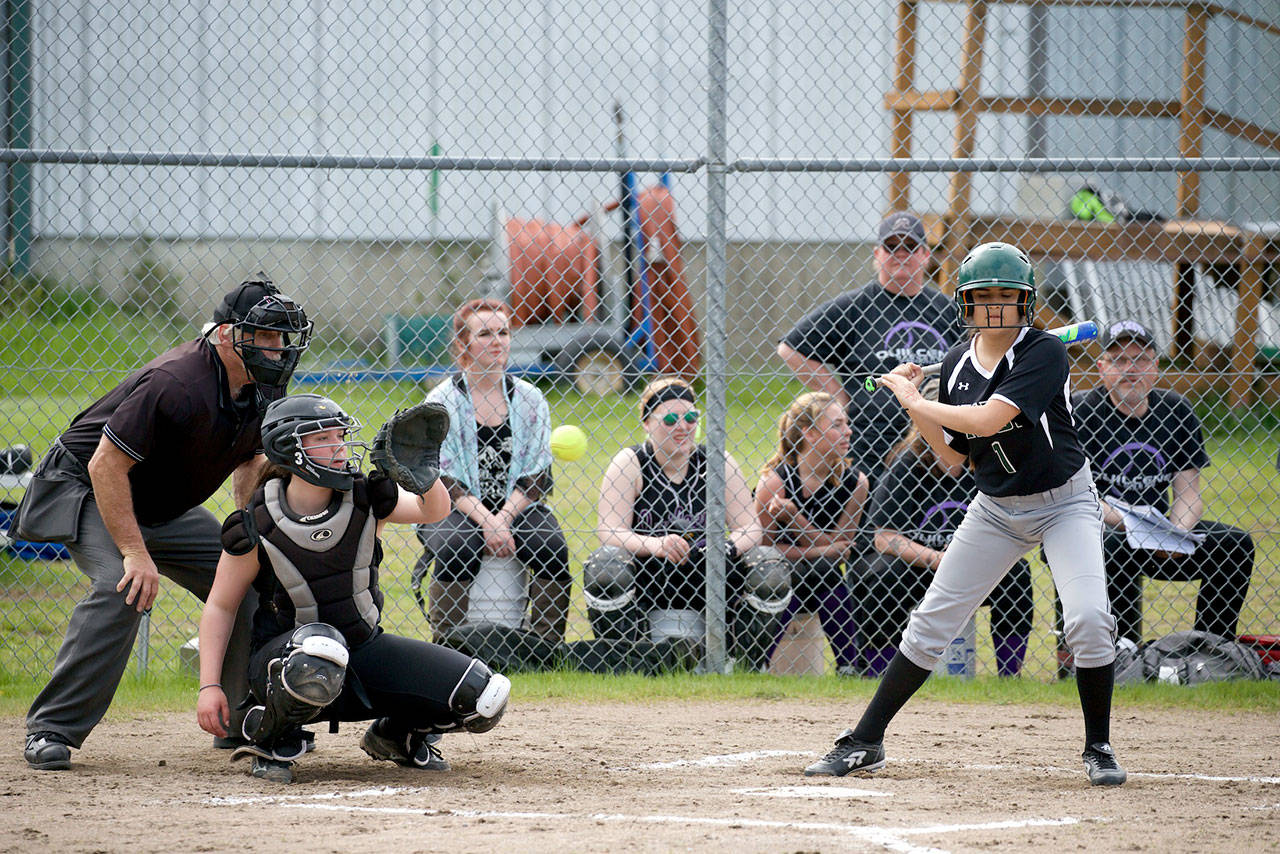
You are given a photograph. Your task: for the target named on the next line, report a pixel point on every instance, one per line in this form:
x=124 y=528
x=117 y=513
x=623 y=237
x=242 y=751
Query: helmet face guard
x=290 y=419
x=272 y=361
x=995 y=265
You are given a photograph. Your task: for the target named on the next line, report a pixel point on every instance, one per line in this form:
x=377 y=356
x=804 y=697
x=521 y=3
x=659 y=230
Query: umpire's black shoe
x=1101 y=766
x=46 y=751
x=847 y=756
x=413 y=750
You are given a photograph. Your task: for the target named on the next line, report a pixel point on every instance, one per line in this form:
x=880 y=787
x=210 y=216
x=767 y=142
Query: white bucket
x=676 y=623
x=802 y=651
x=499 y=593
x=960 y=658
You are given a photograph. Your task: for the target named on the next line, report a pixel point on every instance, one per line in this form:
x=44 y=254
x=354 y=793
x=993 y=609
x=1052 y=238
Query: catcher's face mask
x=310 y=436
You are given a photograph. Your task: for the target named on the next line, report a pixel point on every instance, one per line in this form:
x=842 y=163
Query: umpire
x=123 y=488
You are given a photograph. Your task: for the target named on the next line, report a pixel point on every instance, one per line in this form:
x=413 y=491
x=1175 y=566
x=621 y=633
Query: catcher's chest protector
x=326 y=566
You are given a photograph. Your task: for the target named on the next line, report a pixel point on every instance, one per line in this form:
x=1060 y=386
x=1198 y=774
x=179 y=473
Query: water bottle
x=960 y=656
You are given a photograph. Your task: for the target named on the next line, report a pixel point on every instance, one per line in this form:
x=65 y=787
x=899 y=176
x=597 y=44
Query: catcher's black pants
x=404 y=679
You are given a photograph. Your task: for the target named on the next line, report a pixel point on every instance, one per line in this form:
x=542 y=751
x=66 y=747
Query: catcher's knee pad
x=307 y=676
x=480 y=697
x=609 y=586
x=766 y=586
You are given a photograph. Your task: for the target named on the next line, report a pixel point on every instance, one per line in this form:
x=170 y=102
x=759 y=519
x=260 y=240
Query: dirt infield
x=670 y=776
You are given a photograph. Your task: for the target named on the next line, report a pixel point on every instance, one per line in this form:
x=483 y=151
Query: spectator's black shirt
x=665 y=507
x=824 y=507
x=493 y=452
x=1135 y=459
x=920 y=502
x=176 y=417
x=871 y=331
x=1039 y=448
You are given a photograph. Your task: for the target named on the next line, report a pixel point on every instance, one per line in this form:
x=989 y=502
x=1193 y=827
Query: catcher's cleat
x=414 y=750
x=45 y=751
x=847 y=756
x=231 y=742
x=1101 y=766
x=275 y=770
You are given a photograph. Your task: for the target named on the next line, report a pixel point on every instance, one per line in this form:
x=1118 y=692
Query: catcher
x=308 y=543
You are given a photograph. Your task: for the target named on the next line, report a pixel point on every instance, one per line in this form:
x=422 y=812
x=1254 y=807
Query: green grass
x=38 y=401
x=169 y=692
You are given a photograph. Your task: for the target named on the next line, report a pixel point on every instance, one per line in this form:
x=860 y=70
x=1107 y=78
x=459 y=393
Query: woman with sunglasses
x=652 y=523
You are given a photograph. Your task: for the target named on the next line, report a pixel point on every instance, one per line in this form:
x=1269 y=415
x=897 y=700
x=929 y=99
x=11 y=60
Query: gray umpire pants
x=995 y=533
x=99 y=640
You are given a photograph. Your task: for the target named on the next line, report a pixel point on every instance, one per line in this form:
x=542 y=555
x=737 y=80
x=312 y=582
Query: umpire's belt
x=1081 y=481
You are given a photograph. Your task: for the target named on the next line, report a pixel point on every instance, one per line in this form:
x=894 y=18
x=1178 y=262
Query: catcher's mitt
x=407 y=448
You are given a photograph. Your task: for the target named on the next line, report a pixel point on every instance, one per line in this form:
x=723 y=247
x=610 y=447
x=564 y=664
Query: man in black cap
x=1145 y=444
x=123 y=486
x=872 y=330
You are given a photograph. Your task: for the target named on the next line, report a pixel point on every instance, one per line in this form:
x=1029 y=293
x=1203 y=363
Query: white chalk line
x=731 y=759
x=890 y=838
x=812 y=792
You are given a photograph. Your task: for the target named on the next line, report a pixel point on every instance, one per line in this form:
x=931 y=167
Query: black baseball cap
x=244 y=296
x=1127 y=330
x=901 y=224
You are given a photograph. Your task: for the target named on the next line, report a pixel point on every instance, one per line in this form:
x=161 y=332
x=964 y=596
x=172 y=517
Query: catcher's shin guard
x=306 y=678
x=765 y=595
x=609 y=586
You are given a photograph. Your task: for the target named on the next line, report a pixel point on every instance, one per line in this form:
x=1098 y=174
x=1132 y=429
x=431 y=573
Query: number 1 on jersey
x=1003 y=458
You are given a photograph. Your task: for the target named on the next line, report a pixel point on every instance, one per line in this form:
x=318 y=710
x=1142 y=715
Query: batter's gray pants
x=99 y=639
x=995 y=532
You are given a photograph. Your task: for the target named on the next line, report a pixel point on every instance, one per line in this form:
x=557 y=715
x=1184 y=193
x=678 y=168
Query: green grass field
x=38 y=402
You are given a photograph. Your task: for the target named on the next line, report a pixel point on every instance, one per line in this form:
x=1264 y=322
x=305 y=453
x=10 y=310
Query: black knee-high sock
x=901 y=679
x=1094 y=685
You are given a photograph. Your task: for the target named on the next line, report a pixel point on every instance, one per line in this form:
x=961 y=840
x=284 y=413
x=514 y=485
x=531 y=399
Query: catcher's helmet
x=290 y=418
x=257 y=305
x=995 y=265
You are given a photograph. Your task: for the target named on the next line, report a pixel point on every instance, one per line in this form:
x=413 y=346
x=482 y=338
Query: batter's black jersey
x=1135 y=459
x=872 y=331
x=1039 y=449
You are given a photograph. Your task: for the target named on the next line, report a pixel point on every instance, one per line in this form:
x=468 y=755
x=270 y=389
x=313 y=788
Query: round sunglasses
x=690 y=417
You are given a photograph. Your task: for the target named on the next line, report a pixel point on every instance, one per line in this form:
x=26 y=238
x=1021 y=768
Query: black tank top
x=824 y=506
x=664 y=507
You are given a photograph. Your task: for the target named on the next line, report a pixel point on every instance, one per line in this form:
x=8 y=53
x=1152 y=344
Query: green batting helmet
x=995 y=265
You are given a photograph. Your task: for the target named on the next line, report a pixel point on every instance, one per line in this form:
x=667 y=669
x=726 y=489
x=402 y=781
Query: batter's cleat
x=849 y=755
x=46 y=751
x=275 y=770
x=1101 y=766
x=413 y=750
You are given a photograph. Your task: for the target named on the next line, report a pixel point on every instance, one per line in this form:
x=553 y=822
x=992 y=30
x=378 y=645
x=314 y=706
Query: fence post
x=717 y=657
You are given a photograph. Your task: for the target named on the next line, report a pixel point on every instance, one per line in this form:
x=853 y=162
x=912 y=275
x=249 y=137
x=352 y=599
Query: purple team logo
x=940 y=521
x=913 y=341
x=1135 y=466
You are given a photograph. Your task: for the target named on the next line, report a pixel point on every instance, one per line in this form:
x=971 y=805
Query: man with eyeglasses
x=1144 y=444
x=872 y=330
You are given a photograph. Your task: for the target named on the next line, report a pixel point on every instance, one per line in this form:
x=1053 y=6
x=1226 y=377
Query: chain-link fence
x=661 y=190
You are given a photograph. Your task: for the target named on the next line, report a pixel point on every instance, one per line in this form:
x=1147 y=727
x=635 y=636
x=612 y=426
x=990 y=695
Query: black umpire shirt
x=871 y=331
x=1039 y=449
x=1135 y=459
x=176 y=417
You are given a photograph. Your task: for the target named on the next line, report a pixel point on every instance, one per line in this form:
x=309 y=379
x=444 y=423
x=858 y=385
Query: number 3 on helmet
x=995 y=265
